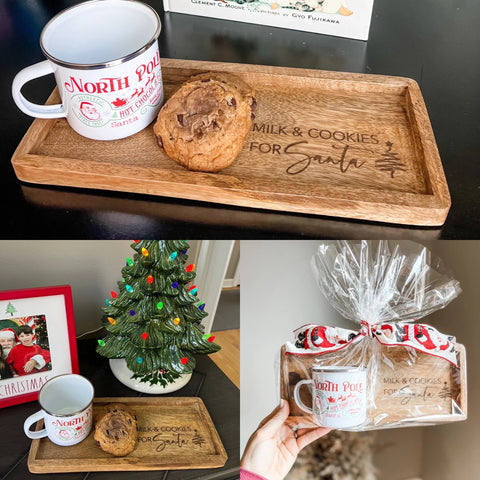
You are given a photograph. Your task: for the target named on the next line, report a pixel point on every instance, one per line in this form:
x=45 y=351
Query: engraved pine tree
x=390 y=161
x=154 y=322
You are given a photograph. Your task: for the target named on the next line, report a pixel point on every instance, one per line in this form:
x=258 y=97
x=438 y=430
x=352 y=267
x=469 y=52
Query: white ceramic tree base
x=124 y=374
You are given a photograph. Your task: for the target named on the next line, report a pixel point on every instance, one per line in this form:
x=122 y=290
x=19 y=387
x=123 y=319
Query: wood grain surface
x=173 y=433
x=325 y=143
x=405 y=386
x=228 y=358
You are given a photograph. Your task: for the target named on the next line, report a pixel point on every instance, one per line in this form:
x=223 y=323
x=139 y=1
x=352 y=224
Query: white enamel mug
x=338 y=396
x=66 y=402
x=106 y=61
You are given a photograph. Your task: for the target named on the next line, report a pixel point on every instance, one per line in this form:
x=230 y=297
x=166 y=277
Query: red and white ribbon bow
x=318 y=339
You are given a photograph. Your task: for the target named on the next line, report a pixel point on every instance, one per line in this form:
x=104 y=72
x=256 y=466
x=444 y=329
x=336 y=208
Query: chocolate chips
x=253 y=107
x=198 y=133
x=180 y=119
x=232 y=102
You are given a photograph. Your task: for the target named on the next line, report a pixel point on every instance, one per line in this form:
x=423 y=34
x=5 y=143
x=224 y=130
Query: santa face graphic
x=89 y=111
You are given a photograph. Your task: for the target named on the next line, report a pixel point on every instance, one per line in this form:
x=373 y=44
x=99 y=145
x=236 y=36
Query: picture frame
x=41 y=319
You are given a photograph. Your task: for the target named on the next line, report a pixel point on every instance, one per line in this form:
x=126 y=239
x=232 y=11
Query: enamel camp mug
x=338 y=396
x=66 y=402
x=106 y=61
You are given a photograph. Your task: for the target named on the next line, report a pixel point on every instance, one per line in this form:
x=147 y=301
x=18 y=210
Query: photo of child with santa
x=27 y=357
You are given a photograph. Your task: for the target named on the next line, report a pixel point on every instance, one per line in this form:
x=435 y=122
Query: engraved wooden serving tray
x=173 y=433
x=325 y=143
x=410 y=388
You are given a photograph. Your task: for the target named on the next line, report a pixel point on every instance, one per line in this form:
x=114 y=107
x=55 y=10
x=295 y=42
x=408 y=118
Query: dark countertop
x=220 y=396
x=435 y=44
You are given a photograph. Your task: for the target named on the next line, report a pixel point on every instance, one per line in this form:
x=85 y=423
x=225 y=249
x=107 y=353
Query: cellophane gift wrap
x=415 y=375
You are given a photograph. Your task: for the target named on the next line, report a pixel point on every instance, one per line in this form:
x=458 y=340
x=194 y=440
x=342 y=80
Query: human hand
x=272 y=449
x=29 y=366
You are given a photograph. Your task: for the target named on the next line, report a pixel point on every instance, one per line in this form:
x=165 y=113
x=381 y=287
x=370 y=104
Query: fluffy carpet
x=337 y=456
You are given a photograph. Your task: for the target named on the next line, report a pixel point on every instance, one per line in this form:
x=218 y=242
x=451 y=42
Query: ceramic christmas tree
x=154 y=321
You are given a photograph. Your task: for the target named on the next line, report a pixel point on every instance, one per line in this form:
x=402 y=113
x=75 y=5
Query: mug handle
x=30 y=421
x=296 y=396
x=34 y=110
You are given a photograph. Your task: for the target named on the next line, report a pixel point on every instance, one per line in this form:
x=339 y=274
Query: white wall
x=92 y=268
x=452 y=451
x=212 y=263
x=232 y=275
x=279 y=294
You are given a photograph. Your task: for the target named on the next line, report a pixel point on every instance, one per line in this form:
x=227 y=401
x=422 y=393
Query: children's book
x=343 y=18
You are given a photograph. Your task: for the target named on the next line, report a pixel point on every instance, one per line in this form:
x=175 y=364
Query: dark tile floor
x=227 y=316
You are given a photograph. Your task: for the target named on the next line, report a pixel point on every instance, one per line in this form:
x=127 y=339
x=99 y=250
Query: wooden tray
x=325 y=143
x=173 y=433
x=427 y=390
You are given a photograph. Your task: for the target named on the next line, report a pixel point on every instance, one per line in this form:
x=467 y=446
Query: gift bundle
x=392 y=370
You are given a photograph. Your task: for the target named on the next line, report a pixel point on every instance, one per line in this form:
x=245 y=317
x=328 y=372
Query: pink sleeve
x=246 y=475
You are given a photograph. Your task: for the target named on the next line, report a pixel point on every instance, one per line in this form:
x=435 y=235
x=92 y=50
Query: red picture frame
x=39 y=324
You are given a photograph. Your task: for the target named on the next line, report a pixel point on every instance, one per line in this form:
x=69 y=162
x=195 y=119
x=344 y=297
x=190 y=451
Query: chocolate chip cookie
x=116 y=429
x=203 y=125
